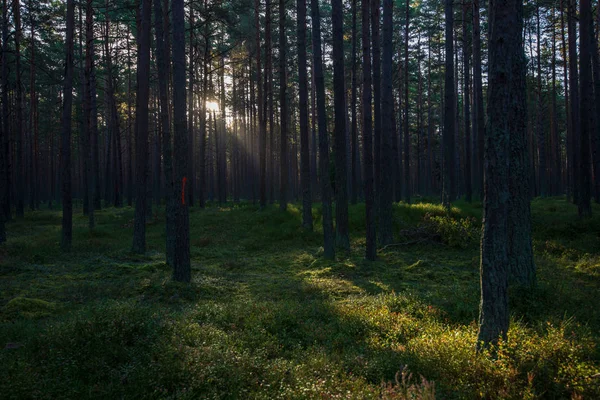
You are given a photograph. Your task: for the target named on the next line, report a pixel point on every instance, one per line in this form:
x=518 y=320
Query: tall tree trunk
x=376 y=48
x=541 y=137
x=354 y=128
x=191 y=173
x=371 y=250
x=88 y=110
x=340 y=119
x=268 y=108
x=283 y=156
x=181 y=267
x=33 y=120
x=449 y=181
x=595 y=131
x=478 y=114
x=467 y=100
x=141 y=139
x=307 y=222
x=20 y=146
x=328 y=233
x=586 y=106
x=387 y=111
x=5 y=144
x=505 y=53
x=65 y=158
x=203 y=124
x=574 y=149
x=407 y=185
x=262 y=136
x=162 y=58
x=555 y=168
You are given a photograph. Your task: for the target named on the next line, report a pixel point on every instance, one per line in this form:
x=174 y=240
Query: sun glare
x=212 y=106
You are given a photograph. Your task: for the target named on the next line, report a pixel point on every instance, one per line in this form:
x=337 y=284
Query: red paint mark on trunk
x=183 y=190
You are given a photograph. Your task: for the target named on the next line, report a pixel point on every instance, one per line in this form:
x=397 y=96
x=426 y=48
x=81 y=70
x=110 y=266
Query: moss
x=24 y=307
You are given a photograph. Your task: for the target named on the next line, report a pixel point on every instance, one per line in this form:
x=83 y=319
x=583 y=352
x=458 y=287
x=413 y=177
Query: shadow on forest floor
x=267 y=317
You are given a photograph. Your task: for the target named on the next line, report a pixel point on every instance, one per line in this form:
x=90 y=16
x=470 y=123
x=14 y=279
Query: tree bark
x=307 y=222
x=371 y=250
x=340 y=117
x=65 y=159
x=449 y=182
x=586 y=106
x=328 y=233
x=143 y=97
x=181 y=267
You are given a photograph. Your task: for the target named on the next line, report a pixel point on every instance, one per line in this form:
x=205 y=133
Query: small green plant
x=454 y=231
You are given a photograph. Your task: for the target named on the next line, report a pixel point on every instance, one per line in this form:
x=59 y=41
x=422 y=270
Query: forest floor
x=267 y=317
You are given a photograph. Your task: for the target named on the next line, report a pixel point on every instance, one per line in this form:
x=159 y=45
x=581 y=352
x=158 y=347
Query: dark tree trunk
x=5 y=179
x=569 y=142
x=371 y=250
x=87 y=111
x=478 y=114
x=191 y=171
x=20 y=165
x=354 y=128
x=375 y=46
x=386 y=188
x=141 y=139
x=555 y=167
x=595 y=132
x=303 y=105
x=505 y=48
x=162 y=58
x=328 y=233
x=574 y=149
x=340 y=116
x=268 y=109
x=283 y=156
x=203 y=124
x=262 y=135
x=449 y=181
x=520 y=251
x=181 y=267
x=541 y=137
x=586 y=106
x=407 y=186
x=467 y=100
x=65 y=155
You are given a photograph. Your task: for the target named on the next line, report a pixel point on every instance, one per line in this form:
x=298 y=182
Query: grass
x=267 y=317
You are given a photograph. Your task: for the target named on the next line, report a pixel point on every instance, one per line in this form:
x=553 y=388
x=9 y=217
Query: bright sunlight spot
x=212 y=106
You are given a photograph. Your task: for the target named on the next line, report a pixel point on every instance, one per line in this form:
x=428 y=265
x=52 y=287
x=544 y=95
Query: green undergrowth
x=266 y=316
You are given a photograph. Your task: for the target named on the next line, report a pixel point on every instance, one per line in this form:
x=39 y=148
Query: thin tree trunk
x=449 y=181
x=307 y=222
x=20 y=165
x=407 y=186
x=143 y=97
x=65 y=158
x=371 y=250
x=586 y=106
x=467 y=100
x=478 y=113
x=328 y=233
